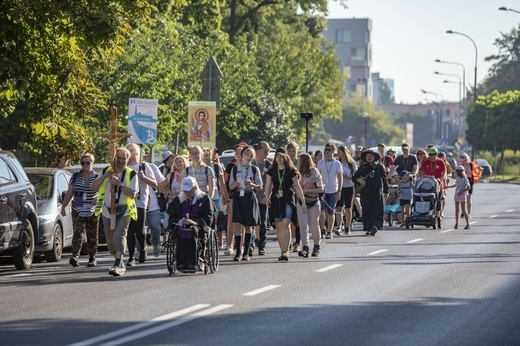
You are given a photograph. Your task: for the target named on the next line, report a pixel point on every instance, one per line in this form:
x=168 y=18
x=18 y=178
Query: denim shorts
x=288 y=213
x=328 y=204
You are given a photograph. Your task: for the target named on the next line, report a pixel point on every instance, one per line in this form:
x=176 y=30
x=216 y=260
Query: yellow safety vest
x=130 y=202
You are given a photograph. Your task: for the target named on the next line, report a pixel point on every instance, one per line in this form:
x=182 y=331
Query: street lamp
x=476 y=62
x=363 y=121
x=508 y=9
x=438 y=125
x=306 y=117
x=460 y=84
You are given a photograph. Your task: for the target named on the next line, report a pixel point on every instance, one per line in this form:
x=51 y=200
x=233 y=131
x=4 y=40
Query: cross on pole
x=113 y=137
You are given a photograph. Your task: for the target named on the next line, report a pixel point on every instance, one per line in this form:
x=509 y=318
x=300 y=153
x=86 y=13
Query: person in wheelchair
x=190 y=218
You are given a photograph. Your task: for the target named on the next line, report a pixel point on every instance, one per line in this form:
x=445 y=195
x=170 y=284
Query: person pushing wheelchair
x=190 y=216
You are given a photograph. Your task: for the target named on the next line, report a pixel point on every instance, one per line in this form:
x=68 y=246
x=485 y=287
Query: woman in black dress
x=372 y=175
x=281 y=187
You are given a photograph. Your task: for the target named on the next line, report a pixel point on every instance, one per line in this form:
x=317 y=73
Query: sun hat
x=166 y=155
x=375 y=153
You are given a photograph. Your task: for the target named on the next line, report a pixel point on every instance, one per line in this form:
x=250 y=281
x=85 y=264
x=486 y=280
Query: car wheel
x=54 y=255
x=23 y=254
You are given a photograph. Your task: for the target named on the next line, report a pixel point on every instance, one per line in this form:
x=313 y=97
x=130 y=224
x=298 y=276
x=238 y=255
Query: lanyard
x=281 y=178
x=244 y=171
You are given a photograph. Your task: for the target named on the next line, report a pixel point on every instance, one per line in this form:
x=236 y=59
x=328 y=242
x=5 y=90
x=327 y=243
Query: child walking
x=461 y=190
x=405 y=195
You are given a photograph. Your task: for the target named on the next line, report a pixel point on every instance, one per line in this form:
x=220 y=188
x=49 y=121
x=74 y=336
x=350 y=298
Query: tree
x=46 y=91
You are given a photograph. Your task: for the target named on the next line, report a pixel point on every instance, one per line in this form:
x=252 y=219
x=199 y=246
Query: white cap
x=188 y=184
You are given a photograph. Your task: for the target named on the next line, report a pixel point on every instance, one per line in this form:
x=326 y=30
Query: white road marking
x=141 y=325
x=493 y=216
x=160 y=328
x=334 y=266
x=415 y=240
x=261 y=290
x=378 y=252
x=510 y=210
x=447 y=230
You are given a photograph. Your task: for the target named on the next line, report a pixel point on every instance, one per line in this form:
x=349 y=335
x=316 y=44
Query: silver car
x=55 y=230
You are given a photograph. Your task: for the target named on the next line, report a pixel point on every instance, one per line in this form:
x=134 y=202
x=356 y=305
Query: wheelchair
x=202 y=252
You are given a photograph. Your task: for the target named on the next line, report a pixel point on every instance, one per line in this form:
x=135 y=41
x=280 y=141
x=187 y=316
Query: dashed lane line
x=377 y=252
x=510 y=210
x=142 y=325
x=334 y=266
x=261 y=290
x=492 y=216
x=415 y=240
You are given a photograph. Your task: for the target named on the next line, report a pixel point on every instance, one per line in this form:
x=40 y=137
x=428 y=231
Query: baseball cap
x=403 y=173
x=405 y=145
x=433 y=151
x=381 y=145
x=188 y=184
x=262 y=146
x=281 y=150
x=459 y=168
x=359 y=148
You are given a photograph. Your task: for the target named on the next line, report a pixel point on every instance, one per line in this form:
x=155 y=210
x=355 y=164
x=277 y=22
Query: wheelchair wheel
x=205 y=254
x=213 y=260
x=170 y=254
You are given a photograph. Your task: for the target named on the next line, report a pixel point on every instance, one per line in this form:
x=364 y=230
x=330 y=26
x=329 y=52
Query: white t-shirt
x=141 y=201
x=347 y=174
x=329 y=171
x=159 y=177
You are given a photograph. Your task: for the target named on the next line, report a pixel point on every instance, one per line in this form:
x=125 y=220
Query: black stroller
x=424 y=203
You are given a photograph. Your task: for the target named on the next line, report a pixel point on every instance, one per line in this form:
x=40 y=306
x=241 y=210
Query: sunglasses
x=432 y=154
x=83 y=163
x=328 y=149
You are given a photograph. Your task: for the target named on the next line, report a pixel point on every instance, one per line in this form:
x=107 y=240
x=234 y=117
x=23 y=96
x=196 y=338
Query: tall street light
x=439 y=118
x=464 y=108
x=508 y=9
x=460 y=123
x=476 y=62
x=460 y=83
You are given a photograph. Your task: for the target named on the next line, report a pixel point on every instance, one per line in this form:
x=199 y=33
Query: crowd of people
x=303 y=196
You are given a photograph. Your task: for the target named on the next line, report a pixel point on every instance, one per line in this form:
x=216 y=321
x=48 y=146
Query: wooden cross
x=113 y=137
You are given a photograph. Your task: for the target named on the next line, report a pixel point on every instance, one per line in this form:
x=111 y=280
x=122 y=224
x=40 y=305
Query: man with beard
x=372 y=177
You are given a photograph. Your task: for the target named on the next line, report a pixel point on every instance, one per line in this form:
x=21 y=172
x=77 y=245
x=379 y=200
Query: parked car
x=18 y=212
x=227 y=156
x=55 y=230
x=487 y=170
x=98 y=168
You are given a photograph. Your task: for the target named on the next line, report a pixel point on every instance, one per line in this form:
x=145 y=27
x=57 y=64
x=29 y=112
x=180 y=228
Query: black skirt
x=245 y=209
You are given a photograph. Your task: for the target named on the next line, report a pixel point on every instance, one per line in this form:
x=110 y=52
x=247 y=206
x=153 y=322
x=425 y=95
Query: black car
x=18 y=212
x=487 y=170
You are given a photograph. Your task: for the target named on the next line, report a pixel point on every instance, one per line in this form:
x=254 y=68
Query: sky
x=409 y=35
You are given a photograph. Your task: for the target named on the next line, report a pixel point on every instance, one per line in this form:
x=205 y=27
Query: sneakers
x=347 y=231
x=373 y=231
x=251 y=251
x=328 y=236
x=92 y=262
x=337 y=232
x=131 y=262
x=467 y=227
x=156 y=250
x=284 y=257
x=238 y=257
x=304 y=252
x=246 y=257
x=296 y=247
x=316 y=251
x=323 y=232
x=116 y=271
x=74 y=261
x=261 y=252
x=228 y=252
x=456 y=226
x=142 y=256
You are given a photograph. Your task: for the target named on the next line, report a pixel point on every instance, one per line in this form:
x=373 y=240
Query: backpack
x=476 y=171
x=205 y=171
x=234 y=171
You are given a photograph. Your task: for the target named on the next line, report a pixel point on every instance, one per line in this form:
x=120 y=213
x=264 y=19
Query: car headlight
x=47 y=218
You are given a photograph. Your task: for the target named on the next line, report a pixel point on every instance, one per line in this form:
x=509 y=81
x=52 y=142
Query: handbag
x=162 y=200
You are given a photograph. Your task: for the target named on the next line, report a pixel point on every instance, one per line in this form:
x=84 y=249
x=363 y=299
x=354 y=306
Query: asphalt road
x=401 y=287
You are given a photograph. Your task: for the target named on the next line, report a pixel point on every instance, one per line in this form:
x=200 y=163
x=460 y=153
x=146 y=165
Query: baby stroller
x=189 y=250
x=392 y=207
x=424 y=203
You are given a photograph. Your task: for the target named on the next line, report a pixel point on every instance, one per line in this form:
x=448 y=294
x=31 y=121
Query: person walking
x=312 y=186
x=124 y=180
x=348 y=168
x=136 y=230
x=371 y=176
x=332 y=176
x=281 y=185
x=468 y=165
x=167 y=163
x=244 y=180
x=405 y=195
x=153 y=213
x=263 y=164
x=436 y=168
x=404 y=162
x=462 y=187
x=83 y=208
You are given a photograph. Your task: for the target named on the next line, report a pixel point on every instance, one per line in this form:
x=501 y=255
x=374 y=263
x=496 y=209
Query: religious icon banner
x=202 y=123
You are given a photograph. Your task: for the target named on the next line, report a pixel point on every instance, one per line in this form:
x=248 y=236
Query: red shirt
x=435 y=168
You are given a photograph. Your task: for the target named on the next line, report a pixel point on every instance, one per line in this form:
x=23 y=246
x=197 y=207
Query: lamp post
x=460 y=88
x=464 y=108
x=438 y=125
x=363 y=122
x=476 y=61
x=306 y=117
x=460 y=125
x=508 y=9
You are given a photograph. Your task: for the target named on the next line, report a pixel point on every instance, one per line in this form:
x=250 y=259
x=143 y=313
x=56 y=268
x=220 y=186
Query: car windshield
x=482 y=162
x=43 y=185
